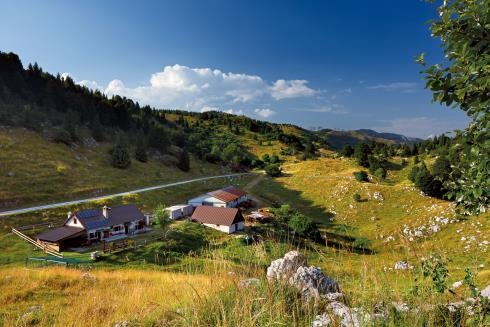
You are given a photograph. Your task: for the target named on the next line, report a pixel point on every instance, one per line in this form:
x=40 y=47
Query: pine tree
x=140 y=151
x=184 y=161
x=120 y=156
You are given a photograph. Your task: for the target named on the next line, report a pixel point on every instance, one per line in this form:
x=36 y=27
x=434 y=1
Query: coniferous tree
x=120 y=157
x=184 y=161
x=140 y=151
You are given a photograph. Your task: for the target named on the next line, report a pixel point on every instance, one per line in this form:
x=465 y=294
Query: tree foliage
x=463 y=81
x=120 y=157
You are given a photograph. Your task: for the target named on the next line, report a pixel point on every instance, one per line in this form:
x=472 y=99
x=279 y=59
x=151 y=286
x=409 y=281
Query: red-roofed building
x=228 y=197
x=227 y=220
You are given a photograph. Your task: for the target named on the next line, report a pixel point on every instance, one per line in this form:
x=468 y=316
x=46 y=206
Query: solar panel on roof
x=96 y=224
x=87 y=214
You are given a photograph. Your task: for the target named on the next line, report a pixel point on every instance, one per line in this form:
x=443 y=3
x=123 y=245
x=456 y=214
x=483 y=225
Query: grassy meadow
x=34 y=170
x=191 y=278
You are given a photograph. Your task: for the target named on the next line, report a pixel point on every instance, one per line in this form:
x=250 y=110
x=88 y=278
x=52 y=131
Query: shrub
x=184 y=162
x=274 y=159
x=347 y=151
x=357 y=197
x=273 y=170
x=301 y=225
x=361 y=176
x=140 y=152
x=380 y=173
x=61 y=135
x=120 y=157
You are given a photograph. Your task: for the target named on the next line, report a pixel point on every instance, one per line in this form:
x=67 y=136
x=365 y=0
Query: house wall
x=221 y=228
x=227 y=229
x=73 y=221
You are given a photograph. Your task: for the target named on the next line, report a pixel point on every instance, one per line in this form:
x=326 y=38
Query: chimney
x=105 y=211
x=69 y=214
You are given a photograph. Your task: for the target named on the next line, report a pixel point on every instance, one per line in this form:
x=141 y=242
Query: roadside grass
x=45 y=171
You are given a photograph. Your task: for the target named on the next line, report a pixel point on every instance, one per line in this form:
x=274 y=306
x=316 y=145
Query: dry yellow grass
x=69 y=297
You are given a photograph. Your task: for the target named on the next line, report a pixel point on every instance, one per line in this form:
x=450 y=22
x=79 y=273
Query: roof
x=60 y=233
x=177 y=207
x=217 y=215
x=93 y=218
x=235 y=191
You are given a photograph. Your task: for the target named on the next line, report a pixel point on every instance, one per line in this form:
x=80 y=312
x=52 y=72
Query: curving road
x=151 y=188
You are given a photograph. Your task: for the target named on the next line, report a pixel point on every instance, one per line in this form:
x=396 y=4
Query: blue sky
x=336 y=64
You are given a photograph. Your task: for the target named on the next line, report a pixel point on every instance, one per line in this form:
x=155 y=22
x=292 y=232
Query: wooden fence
x=45 y=247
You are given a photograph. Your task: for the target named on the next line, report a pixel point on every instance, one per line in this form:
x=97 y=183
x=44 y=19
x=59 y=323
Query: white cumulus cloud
x=183 y=87
x=283 y=89
x=265 y=113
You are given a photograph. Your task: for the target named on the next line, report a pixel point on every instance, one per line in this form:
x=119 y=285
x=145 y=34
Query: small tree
x=361 y=176
x=162 y=218
x=301 y=224
x=362 y=153
x=273 y=170
x=120 y=157
x=274 y=159
x=356 y=197
x=380 y=173
x=184 y=161
x=140 y=151
x=347 y=151
x=266 y=158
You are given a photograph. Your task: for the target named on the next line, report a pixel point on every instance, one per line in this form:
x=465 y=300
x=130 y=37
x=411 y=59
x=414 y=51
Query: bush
x=61 y=135
x=347 y=151
x=357 y=197
x=140 y=152
x=361 y=176
x=380 y=173
x=274 y=159
x=184 y=162
x=301 y=225
x=120 y=156
x=273 y=170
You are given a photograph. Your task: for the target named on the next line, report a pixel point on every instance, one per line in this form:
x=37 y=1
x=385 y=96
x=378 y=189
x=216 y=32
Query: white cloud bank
x=182 y=87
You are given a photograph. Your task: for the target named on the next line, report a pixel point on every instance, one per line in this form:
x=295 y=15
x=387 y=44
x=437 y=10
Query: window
x=75 y=221
x=117 y=228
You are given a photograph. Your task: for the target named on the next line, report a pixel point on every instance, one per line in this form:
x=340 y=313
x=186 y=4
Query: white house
x=179 y=211
x=227 y=220
x=228 y=197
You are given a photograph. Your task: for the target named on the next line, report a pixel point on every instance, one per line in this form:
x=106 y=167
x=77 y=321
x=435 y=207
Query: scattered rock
x=312 y=283
x=283 y=269
x=87 y=276
x=11 y=174
x=123 y=323
x=322 y=320
x=457 y=284
x=77 y=158
x=347 y=316
x=336 y=296
x=403 y=265
x=249 y=282
x=486 y=292
x=400 y=306
x=378 y=196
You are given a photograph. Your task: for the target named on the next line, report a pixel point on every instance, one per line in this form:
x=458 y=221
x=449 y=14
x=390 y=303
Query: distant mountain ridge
x=337 y=138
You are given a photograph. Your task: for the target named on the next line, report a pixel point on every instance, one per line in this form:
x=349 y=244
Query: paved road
x=67 y=203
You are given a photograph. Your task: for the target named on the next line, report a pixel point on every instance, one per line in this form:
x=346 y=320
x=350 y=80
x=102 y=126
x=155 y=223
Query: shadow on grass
x=336 y=235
